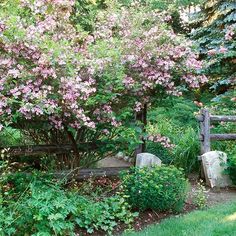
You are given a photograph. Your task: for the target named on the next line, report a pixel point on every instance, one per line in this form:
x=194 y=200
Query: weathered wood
x=201 y=137
x=87 y=173
x=200 y=118
x=205 y=137
x=215 y=118
x=37 y=150
x=223 y=136
x=205 y=131
x=223 y=118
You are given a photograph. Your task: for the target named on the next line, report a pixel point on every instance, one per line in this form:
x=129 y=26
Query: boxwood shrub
x=158 y=188
x=231 y=170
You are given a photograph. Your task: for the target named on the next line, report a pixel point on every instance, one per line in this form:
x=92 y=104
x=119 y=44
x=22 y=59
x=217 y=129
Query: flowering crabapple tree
x=61 y=84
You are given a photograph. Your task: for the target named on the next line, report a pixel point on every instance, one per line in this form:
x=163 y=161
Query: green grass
x=217 y=221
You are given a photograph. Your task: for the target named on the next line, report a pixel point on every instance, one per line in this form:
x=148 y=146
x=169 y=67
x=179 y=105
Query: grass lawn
x=217 y=221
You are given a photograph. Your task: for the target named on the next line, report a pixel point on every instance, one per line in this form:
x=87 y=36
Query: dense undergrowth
x=37 y=204
x=177 y=120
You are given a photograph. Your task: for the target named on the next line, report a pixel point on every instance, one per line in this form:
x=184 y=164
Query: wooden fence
x=81 y=174
x=38 y=150
x=77 y=174
x=206 y=137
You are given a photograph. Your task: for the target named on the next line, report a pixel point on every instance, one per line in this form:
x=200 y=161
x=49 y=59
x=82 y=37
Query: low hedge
x=158 y=188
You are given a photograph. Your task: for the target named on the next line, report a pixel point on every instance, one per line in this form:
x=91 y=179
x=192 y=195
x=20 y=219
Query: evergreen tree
x=214 y=32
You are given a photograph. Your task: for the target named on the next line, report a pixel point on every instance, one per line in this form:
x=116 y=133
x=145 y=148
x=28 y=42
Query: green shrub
x=176 y=119
x=185 y=139
x=186 y=150
x=231 y=170
x=159 y=188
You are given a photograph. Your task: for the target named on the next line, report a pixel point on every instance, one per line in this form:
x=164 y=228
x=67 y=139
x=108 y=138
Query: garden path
x=215 y=195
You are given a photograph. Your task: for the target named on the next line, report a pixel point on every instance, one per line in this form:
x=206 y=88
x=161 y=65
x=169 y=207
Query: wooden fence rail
x=35 y=150
x=38 y=150
x=205 y=120
x=87 y=173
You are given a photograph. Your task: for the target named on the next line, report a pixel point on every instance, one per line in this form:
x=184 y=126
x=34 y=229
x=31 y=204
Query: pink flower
x=14 y=73
x=105 y=131
x=211 y=52
x=128 y=82
x=138 y=106
x=230 y=32
x=164 y=141
x=2 y=26
x=223 y=49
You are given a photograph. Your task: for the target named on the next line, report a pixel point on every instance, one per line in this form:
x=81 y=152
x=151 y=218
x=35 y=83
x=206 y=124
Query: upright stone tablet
x=147 y=159
x=214 y=163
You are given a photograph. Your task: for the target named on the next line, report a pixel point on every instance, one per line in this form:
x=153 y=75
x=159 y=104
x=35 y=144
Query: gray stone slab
x=147 y=160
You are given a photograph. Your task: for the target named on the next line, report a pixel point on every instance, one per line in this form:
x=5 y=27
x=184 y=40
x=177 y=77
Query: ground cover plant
x=36 y=205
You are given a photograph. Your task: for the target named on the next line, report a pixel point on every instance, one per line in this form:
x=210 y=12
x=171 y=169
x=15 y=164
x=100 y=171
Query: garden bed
x=149 y=217
x=144 y=219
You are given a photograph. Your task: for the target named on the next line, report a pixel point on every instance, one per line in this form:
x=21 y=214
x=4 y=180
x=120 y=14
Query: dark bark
x=74 y=145
x=142 y=117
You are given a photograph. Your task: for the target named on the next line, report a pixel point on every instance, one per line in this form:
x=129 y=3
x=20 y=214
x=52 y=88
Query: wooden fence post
x=205 y=131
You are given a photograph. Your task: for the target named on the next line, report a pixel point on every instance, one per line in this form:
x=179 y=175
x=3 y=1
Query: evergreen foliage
x=215 y=30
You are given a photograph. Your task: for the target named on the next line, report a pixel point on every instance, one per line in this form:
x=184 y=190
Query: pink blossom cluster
x=230 y=32
x=138 y=106
x=155 y=57
x=37 y=82
x=213 y=52
x=128 y=82
x=106 y=115
x=53 y=72
x=156 y=60
x=2 y=26
x=164 y=141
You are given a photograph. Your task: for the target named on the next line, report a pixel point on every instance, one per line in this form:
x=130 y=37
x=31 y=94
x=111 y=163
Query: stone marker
x=213 y=165
x=147 y=159
x=120 y=155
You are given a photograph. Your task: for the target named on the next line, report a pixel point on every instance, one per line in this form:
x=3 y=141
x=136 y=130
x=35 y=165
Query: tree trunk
x=76 y=153
x=142 y=116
